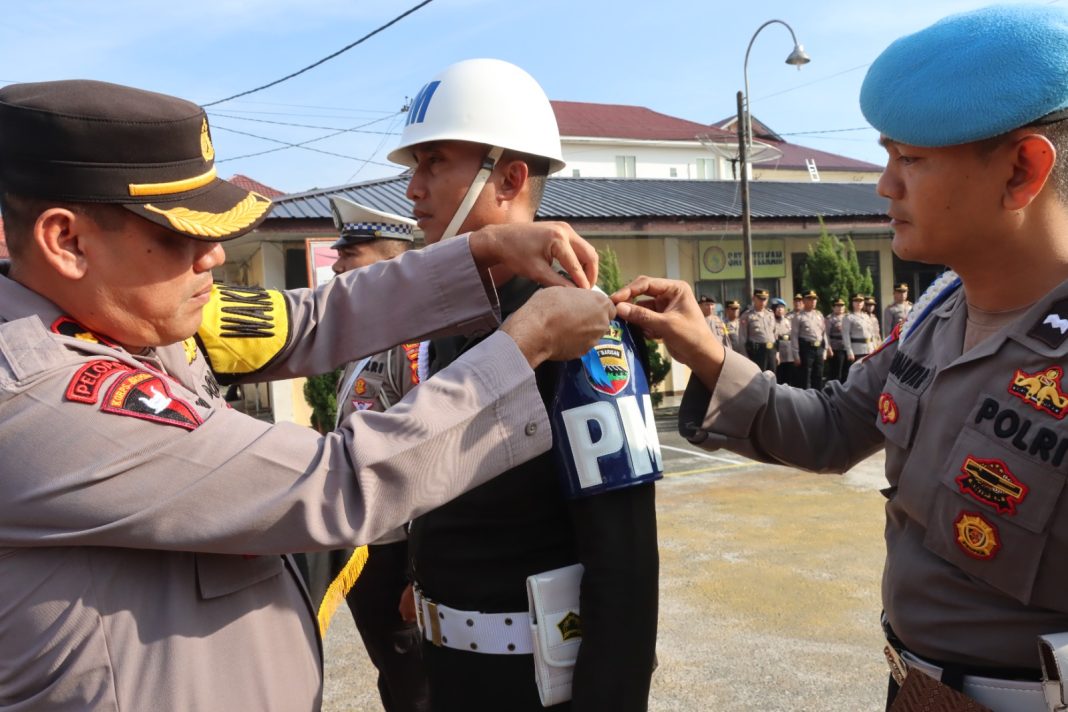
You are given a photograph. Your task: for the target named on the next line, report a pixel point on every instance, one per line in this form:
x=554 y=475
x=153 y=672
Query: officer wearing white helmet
x=481 y=138
x=372 y=581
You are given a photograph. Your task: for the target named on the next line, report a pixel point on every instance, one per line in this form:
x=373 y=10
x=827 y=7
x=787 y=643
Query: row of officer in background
x=803 y=347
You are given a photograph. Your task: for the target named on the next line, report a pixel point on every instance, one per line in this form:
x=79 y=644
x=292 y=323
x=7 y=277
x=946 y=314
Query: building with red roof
x=621 y=141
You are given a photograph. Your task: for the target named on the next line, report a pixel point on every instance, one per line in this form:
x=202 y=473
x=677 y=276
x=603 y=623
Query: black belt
x=860 y=341
x=954 y=672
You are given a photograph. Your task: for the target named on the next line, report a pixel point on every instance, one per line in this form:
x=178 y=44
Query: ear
x=512 y=179
x=1033 y=158
x=58 y=236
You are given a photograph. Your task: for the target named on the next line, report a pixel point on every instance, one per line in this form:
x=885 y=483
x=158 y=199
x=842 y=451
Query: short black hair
x=20 y=214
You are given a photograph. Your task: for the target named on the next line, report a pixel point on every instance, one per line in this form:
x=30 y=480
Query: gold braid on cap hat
x=202 y=224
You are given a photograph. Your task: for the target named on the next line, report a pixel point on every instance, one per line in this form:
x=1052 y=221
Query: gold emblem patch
x=977 y=537
x=1042 y=390
x=570 y=626
x=887 y=409
x=206 y=149
x=991 y=482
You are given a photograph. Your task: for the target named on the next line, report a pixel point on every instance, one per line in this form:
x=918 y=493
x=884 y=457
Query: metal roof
x=628 y=198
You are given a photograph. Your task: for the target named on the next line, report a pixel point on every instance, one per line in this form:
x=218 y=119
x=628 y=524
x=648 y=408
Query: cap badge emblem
x=206 y=149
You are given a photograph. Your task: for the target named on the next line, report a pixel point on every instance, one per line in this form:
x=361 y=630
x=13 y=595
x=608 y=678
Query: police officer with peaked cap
x=968 y=398
x=733 y=324
x=374 y=582
x=858 y=335
x=708 y=308
x=756 y=331
x=837 y=365
x=899 y=310
x=144 y=554
x=808 y=338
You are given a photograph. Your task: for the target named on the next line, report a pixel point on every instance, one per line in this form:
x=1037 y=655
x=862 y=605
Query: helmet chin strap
x=488 y=164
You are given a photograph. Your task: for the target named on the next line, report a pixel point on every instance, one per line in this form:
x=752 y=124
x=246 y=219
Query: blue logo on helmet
x=417 y=111
x=604 y=433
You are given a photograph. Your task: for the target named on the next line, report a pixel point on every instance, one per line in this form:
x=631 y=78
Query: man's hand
x=671 y=313
x=528 y=249
x=558 y=324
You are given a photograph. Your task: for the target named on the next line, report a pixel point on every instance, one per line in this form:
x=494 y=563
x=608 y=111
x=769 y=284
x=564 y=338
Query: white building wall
x=653 y=159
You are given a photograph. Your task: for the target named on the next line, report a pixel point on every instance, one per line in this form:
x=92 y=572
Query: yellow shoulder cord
x=339 y=588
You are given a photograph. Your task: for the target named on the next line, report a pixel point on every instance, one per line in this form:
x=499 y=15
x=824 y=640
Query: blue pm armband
x=604 y=433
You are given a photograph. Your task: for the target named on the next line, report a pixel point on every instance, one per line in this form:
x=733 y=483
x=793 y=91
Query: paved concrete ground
x=769 y=591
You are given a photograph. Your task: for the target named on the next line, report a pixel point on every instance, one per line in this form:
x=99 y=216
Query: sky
x=679 y=57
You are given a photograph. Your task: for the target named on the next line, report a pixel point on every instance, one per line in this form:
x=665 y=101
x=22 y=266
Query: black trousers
x=393 y=645
x=810 y=374
x=761 y=355
x=784 y=374
x=838 y=366
x=462 y=681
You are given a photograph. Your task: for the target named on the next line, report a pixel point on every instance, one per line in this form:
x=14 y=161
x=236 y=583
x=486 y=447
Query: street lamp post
x=797 y=58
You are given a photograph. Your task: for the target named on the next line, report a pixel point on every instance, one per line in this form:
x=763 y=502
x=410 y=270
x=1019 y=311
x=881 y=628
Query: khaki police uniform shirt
x=719 y=329
x=142 y=521
x=383 y=379
x=808 y=326
x=733 y=328
x=782 y=337
x=895 y=314
x=859 y=339
x=976 y=455
x=757 y=327
x=836 y=331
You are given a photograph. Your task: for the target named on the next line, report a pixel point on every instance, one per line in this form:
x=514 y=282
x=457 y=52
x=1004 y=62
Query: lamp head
x=798 y=57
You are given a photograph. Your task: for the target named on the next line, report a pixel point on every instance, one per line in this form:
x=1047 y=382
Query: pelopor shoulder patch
x=243 y=329
x=604 y=432
x=145 y=395
x=84 y=387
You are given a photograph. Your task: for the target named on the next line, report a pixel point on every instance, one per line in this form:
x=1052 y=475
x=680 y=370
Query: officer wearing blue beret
x=968 y=396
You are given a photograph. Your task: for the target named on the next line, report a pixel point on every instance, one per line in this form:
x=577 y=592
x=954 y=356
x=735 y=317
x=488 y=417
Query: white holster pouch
x=1053 y=652
x=556 y=629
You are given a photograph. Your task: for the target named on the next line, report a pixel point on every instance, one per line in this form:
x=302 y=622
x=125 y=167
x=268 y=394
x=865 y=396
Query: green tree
x=609 y=280
x=321 y=394
x=832 y=269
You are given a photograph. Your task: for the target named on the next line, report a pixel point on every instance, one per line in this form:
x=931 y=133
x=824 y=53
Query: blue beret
x=970 y=76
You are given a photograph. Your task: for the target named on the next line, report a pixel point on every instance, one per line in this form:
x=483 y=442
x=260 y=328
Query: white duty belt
x=473 y=631
x=1053 y=652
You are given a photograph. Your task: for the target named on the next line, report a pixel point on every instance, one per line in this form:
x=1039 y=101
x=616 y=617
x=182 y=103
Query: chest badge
x=977 y=537
x=606 y=363
x=887 y=409
x=991 y=482
x=361 y=387
x=1041 y=390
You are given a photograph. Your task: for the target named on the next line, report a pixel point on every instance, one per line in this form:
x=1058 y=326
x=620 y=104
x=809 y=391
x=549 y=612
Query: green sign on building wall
x=723 y=259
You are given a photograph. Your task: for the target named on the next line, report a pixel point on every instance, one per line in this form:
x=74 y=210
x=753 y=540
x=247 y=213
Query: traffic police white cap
x=357 y=223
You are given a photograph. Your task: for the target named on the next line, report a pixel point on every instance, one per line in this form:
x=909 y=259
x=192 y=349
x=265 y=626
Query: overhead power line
x=327 y=58
x=287 y=145
x=826 y=131
x=311 y=126
x=814 y=81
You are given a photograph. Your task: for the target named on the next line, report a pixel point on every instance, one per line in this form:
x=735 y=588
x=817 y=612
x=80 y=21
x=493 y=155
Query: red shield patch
x=976 y=537
x=85 y=386
x=145 y=395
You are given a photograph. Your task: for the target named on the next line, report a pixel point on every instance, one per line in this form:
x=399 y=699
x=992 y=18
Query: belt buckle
x=435 y=622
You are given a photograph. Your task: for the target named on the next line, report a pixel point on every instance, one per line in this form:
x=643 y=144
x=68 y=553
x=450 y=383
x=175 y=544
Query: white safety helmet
x=485 y=101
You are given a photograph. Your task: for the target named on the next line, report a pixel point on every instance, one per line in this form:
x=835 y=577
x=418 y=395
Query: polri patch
x=145 y=395
x=1041 y=390
x=977 y=537
x=1052 y=329
x=65 y=326
x=991 y=482
x=887 y=409
x=606 y=363
x=85 y=386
